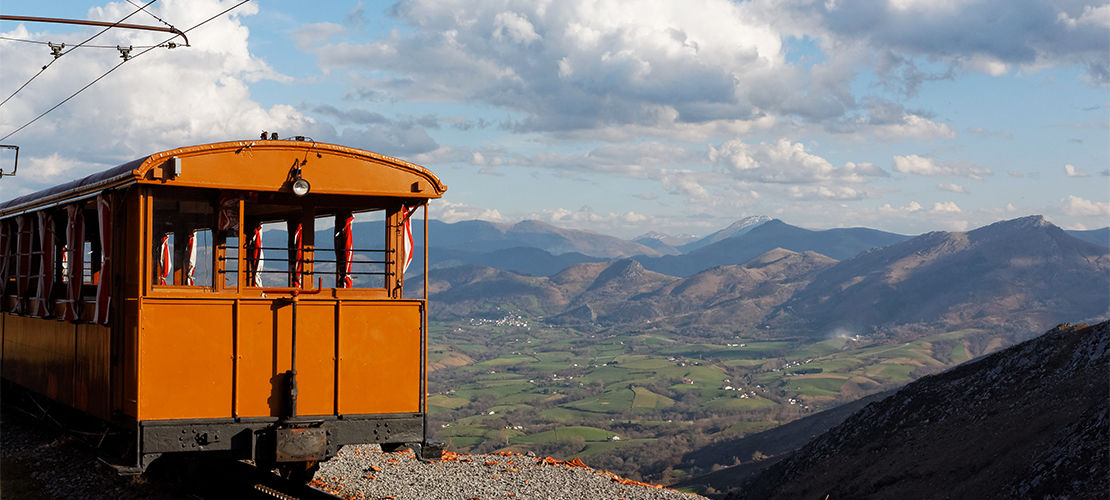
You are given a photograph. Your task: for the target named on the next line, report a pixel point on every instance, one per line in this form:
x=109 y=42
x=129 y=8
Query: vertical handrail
x=291 y=374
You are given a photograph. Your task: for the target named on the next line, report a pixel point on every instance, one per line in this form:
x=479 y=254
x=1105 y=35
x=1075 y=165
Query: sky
x=616 y=116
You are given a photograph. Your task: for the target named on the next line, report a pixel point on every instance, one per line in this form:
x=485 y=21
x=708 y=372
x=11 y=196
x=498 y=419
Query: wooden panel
x=92 y=392
x=316 y=358
x=39 y=355
x=185 y=359
x=127 y=388
x=265 y=354
x=379 y=357
x=261 y=367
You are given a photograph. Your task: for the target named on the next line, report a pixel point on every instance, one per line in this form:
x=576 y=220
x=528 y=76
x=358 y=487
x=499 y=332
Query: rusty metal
x=30 y=19
x=301 y=444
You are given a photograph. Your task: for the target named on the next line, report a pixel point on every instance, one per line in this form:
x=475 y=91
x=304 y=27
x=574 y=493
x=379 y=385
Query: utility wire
x=56 y=106
x=51 y=63
x=86 y=46
x=151 y=14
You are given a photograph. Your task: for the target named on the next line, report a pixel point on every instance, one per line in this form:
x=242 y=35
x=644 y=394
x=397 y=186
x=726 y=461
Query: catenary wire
x=56 y=106
x=86 y=46
x=151 y=14
x=51 y=63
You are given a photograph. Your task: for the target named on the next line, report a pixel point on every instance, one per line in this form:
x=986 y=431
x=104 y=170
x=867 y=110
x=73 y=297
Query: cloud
x=164 y=99
x=988 y=36
x=449 y=212
x=952 y=188
x=824 y=193
x=947 y=206
x=1075 y=206
x=784 y=162
x=918 y=165
x=987 y=134
x=1071 y=171
x=1015 y=174
x=587 y=65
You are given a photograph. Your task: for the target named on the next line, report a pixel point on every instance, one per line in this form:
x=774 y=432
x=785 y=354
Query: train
x=240 y=299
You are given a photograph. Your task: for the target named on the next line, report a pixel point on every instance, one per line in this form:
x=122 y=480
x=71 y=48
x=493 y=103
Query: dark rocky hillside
x=1027 y=422
x=1018 y=270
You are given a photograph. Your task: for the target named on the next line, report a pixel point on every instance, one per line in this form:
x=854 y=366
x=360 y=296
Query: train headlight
x=301 y=187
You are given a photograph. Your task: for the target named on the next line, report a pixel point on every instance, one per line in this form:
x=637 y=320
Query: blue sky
x=620 y=117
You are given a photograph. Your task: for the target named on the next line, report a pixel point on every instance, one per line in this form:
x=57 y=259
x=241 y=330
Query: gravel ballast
x=54 y=465
x=364 y=472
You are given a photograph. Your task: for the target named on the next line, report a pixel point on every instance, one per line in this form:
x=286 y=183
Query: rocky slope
x=1030 y=421
x=1022 y=269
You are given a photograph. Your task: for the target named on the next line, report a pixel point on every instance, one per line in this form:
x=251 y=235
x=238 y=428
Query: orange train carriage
x=238 y=298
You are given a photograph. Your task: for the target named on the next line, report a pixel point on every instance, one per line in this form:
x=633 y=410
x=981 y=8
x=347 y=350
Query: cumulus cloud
x=449 y=212
x=989 y=36
x=589 y=65
x=1071 y=171
x=918 y=165
x=784 y=162
x=1075 y=206
x=952 y=188
x=157 y=101
x=947 y=206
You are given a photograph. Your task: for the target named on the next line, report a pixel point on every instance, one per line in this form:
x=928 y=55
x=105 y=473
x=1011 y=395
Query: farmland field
x=565 y=392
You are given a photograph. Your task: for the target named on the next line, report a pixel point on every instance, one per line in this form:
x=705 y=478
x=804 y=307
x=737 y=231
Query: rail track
x=212 y=479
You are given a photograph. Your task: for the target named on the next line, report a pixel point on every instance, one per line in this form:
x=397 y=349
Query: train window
x=182 y=242
x=359 y=261
x=369 y=252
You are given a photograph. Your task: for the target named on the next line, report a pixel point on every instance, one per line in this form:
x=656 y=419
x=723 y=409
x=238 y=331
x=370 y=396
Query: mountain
x=1096 y=236
x=1012 y=271
x=1029 y=421
x=664 y=243
x=521 y=260
x=737 y=228
x=472 y=291
x=482 y=236
x=754 y=241
x=775 y=444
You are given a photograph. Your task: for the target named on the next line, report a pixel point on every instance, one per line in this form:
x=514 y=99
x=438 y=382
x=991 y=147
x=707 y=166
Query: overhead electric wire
x=86 y=46
x=51 y=63
x=56 y=106
x=152 y=14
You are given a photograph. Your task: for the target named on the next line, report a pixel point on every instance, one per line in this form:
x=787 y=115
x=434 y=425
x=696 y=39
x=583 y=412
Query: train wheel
x=299 y=472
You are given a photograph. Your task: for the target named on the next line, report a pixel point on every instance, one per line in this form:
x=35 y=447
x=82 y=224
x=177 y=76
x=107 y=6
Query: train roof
x=258 y=165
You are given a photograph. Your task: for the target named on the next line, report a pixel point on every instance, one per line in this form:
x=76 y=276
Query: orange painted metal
x=185 y=359
x=379 y=357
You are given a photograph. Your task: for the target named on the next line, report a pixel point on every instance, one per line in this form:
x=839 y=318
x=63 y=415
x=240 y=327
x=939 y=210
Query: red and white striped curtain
x=104 y=284
x=44 y=306
x=165 y=261
x=23 y=248
x=191 y=259
x=406 y=238
x=75 y=241
x=5 y=253
x=344 y=244
x=254 y=255
x=296 y=254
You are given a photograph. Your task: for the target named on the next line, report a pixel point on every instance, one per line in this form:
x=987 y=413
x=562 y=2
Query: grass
x=565 y=433
x=823 y=386
x=447 y=401
x=733 y=403
x=647 y=399
x=610 y=402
